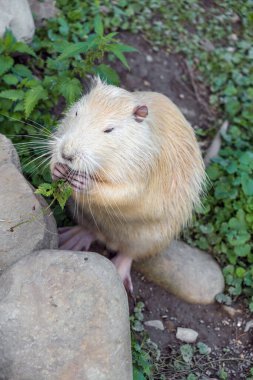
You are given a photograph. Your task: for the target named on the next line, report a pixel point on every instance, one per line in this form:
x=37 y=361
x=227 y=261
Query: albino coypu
x=136 y=170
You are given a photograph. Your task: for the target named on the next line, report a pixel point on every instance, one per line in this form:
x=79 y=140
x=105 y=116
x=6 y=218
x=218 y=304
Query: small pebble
x=249 y=325
x=157 y=324
x=231 y=311
x=233 y=37
x=149 y=58
x=186 y=335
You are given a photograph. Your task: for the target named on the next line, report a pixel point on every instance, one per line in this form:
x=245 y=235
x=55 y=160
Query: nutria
x=136 y=171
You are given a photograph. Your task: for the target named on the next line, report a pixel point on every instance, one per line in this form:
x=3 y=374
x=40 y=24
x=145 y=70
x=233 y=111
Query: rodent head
x=105 y=137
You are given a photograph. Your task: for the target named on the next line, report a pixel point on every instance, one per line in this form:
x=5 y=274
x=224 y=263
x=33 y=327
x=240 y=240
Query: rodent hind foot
x=123 y=265
x=75 y=238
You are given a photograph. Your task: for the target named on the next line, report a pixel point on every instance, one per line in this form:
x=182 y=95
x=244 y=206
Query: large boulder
x=25 y=221
x=16 y=16
x=187 y=272
x=64 y=316
x=8 y=153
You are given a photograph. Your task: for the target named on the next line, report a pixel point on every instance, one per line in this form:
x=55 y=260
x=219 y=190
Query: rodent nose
x=67 y=157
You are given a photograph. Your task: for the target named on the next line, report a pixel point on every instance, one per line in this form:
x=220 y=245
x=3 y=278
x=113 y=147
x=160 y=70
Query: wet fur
x=149 y=184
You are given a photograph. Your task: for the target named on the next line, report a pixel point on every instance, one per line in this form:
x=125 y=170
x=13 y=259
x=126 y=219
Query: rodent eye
x=108 y=130
x=76 y=113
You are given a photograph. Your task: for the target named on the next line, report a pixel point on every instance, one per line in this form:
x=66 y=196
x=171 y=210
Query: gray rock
x=19 y=207
x=157 y=324
x=187 y=272
x=16 y=15
x=43 y=10
x=64 y=316
x=8 y=153
x=186 y=335
x=249 y=325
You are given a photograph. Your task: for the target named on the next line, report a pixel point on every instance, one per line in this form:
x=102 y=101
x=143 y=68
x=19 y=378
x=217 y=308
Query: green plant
x=145 y=353
x=59 y=191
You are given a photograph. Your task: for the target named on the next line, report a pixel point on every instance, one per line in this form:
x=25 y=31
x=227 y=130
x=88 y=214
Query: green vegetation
x=145 y=353
x=59 y=190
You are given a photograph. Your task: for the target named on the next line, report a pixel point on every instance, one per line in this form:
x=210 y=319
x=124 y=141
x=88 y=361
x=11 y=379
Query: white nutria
x=136 y=170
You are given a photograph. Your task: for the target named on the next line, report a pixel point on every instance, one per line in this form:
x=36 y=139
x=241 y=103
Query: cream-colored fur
x=148 y=175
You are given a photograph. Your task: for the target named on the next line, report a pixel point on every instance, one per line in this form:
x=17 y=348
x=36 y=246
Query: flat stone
x=16 y=16
x=8 y=153
x=187 y=272
x=64 y=316
x=24 y=224
x=186 y=335
x=157 y=324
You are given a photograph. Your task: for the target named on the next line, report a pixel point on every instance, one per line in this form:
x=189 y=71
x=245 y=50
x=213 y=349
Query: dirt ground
x=169 y=74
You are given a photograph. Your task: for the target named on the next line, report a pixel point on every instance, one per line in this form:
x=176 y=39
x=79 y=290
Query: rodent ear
x=140 y=113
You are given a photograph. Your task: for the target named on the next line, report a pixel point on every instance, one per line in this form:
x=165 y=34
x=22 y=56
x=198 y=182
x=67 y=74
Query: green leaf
x=126 y=48
x=60 y=45
x=186 y=352
x=5 y=64
x=223 y=299
x=63 y=193
x=242 y=250
x=21 y=47
x=10 y=79
x=107 y=73
x=64 y=26
x=191 y=376
x=137 y=375
x=22 y=71
x=236 y=238
x=230 y=90
x=213 y=172
x=70 y=89
x=223 y=375
x=45 y=189
x=32 y=98
x=74 y=49
x=12 y=94
x=98 y=26
x=119 y=55
x=240 y=272
x=203 y=348
x=247 y=184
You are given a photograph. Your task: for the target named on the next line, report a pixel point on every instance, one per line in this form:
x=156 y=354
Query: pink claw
x=123 y=264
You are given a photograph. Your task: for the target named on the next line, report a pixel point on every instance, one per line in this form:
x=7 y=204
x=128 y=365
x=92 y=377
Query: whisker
x=25 y=123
